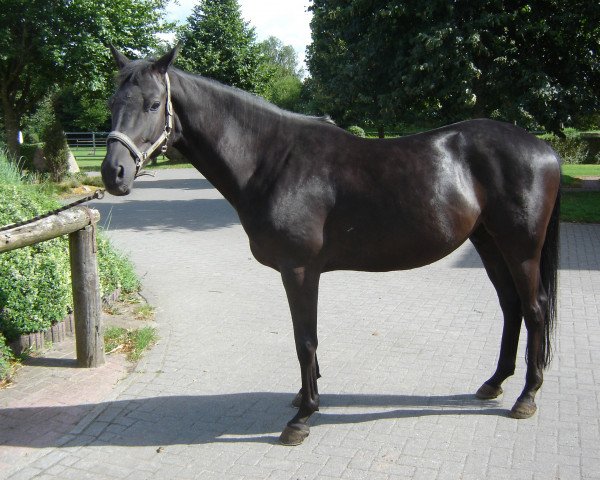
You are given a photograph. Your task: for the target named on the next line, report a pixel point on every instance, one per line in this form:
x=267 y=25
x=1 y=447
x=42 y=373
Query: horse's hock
x=80 y=224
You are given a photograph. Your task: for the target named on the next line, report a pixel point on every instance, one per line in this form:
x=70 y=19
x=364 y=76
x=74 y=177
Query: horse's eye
x=155 y=106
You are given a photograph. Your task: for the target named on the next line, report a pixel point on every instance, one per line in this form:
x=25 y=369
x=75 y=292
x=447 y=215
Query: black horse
x=314 y=198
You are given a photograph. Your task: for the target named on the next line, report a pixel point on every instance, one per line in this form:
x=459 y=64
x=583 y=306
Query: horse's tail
x=549 y=277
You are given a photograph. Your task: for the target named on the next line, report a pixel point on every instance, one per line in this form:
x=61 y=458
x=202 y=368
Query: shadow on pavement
x=577 y=249
x=151 y=215
x=175 y=184
x=237 y=417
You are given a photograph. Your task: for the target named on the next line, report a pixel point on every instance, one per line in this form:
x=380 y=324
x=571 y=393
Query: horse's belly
x=397 y=245
x=388 y=256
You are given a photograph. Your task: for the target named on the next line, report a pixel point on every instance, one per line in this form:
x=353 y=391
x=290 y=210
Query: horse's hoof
x=293 y=435
x=523 y=410
x=487 y=392
x=297 y=401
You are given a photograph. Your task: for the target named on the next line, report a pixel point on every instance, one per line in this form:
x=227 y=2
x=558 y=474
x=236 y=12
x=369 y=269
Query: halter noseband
x=141 y=158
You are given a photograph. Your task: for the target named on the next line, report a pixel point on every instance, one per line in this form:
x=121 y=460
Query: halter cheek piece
x=141 y=158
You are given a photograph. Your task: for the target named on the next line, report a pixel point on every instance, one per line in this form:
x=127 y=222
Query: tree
x=218 y=43
x=534 y=62
x=45 y=43
x=284 y=85
x=281 y=56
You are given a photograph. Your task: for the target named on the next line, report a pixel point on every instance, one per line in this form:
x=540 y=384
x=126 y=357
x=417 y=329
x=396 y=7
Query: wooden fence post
x=89 y=337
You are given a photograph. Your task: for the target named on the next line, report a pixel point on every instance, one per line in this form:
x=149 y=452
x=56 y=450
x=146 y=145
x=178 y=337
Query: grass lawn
x=581 y=170
x=571 y=174
x=580 y=207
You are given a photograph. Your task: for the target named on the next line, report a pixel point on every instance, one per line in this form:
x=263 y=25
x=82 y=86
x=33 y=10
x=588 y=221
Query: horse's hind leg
x=297 y=401
x=510 y=303
x=526 y=273
x=301 y=286
x=521 y=251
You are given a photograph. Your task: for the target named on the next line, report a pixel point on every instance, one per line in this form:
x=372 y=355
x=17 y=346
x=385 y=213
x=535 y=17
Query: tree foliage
x=218 y=43
x=45 y=43
x=284 y=84
x=280 y=56
x=534 y=62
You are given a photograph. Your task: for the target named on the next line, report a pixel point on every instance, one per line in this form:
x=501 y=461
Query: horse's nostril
x=120 y=172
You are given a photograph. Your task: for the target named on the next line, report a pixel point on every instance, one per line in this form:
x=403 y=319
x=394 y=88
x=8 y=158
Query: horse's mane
x=136 y=68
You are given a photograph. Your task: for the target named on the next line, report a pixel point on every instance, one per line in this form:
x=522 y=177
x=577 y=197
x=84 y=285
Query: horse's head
x=141 y=119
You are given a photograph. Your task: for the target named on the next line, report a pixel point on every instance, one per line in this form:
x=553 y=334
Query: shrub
x=572 y=149
x=115 y=269
x=56 y=150
x=358 y=131
x=6 y=356
x=34 y=281
x=27 y=153
x=35 y=285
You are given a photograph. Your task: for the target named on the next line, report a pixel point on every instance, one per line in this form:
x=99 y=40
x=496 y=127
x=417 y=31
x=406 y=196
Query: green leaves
x=48 y=43
x=35 y=282
x=218 y=43
x=536 y=64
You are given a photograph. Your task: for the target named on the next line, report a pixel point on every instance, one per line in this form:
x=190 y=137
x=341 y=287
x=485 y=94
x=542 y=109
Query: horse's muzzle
x=118 y=173
x=114 y=179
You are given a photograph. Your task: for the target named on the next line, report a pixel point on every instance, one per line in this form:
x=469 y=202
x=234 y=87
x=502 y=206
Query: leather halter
x=141 y=158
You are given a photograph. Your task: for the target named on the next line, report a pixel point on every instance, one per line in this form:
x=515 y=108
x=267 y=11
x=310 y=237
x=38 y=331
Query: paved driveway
x=401 y=355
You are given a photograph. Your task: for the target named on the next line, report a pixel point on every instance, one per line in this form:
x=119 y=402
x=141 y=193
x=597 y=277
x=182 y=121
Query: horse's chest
x=284 y=232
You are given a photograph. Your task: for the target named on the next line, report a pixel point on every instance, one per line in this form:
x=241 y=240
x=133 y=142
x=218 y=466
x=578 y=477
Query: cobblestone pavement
x=401 y=355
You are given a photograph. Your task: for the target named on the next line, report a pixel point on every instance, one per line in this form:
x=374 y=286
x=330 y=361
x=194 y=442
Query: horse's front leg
x=302 y=285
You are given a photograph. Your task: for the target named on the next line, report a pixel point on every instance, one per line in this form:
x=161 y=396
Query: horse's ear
x=121 y=59
x=164 y=62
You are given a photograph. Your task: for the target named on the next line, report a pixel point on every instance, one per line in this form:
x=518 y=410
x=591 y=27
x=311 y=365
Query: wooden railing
x=80 y=224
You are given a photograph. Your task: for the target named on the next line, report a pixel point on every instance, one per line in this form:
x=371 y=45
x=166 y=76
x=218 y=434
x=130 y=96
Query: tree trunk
x=381 y=131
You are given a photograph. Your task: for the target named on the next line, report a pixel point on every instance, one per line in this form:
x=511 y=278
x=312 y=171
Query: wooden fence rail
x=79 y=223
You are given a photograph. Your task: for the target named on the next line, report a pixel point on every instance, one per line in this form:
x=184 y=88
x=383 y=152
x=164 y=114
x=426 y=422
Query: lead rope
x=97 y=195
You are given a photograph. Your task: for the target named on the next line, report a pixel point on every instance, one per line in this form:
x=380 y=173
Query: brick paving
x=401 y=355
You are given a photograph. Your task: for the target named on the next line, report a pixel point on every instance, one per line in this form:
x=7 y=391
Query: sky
x=287 y=20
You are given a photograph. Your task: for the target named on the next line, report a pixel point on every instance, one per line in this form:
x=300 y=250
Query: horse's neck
x=223 y=134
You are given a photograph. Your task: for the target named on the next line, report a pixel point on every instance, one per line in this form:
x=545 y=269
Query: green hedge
x=575 y=149
x=35 y=285
x=6 y=356
x=34 y=281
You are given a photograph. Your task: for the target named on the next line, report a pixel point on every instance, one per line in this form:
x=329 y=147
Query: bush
x=572 y=149
x=6 y=356
x=27 y=153
x=35 y=284
x=34 y=281
x=358 y=131
x=115 y=269
x=56 y=150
